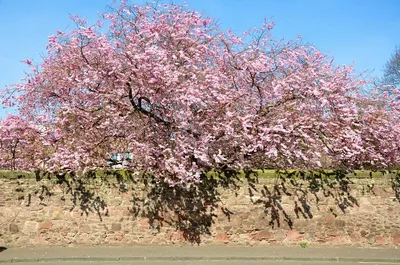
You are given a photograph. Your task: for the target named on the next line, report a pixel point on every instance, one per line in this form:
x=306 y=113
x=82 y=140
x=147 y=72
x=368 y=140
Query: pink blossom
x=184 y=97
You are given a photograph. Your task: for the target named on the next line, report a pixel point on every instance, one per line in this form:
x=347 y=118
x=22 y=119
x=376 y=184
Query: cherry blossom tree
x=183 y=97
x=19 y=146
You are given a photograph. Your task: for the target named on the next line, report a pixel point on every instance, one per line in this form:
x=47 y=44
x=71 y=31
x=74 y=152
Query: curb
x=332 y=259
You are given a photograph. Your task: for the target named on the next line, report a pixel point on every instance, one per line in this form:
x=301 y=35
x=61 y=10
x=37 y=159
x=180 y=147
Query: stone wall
x=285 y=209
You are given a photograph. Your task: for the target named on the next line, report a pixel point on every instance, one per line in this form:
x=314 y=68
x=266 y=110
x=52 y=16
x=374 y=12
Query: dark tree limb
x=138 y=107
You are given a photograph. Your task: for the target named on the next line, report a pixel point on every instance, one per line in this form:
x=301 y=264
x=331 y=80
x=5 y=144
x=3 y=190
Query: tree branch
x=139 y=107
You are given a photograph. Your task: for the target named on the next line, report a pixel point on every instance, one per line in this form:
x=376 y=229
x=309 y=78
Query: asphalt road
x=203 y=255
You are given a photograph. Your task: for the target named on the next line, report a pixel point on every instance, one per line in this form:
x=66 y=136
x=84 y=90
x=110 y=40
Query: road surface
x=202 y=255
x=229 y=262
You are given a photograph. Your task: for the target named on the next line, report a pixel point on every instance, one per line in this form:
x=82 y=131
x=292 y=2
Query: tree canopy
x=167 y=85
x=391 y=71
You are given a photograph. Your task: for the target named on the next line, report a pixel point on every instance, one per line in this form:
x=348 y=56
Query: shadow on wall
x=2 y=249
x=192 y=210
x=396 y=185
x=302 y=188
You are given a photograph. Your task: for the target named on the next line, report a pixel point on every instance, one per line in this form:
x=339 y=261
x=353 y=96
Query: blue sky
x=361 y=31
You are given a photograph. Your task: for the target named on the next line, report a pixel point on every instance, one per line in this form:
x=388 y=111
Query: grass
x=304 y=245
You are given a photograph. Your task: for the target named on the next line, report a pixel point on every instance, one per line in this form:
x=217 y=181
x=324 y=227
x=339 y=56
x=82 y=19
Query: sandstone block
x=116 y=227
x=294 y=235
x=340 y=224
x=263 y=235
x=396 y=239
x=13 y=228
x=144 y=223
x=85 y=229
x=46 y=225
x=380 y=240
x=222 y=237
x=30 y=227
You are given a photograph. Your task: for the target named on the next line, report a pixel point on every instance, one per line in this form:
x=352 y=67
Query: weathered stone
x=372 y=223
x=30 y=227
x=46 y=225
x=309 y=236
x=301 y=225
x=2 y=200
x=340 y=223
x=331 y=232
x=116 y=227
x=85 y=229
x=380 y=240
x=363 y=233
x=340 y=240
x=13 y=228
x=370 y=236
x=396 y=239
x=280 y=235
x=222 y=237
x=57 y=214
x=263 y=235
x=294 y=236
x=144 y=223
x=173 y=236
